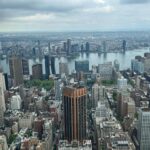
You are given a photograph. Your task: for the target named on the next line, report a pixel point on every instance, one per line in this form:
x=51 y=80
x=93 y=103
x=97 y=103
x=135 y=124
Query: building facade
x=37 y=71
x=82 y=66
x=47 y=67
x=16 y=70
x=74 y=103
x=144 y=129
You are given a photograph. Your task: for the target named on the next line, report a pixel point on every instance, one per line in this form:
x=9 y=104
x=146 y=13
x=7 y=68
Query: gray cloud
x=20 y=8
x=25 y=15
x=134 y=1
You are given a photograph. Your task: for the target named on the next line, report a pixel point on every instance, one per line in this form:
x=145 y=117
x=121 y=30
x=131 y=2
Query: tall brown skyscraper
x=37 y=71
x=16 y=71
x=74 y=102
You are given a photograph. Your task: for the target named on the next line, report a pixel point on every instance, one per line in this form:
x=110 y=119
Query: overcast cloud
x=74 y=15
x=135 y=1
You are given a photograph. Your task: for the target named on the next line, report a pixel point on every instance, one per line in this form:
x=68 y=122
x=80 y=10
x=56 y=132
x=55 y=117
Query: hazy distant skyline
x=74 y=15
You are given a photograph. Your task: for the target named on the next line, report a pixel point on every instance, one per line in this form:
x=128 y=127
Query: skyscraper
x=6 y=81
x=82 y=48
x=74 y=103
x=87 y=46
x=25 y=66
x=58 y=90
x=37 y=71
x=97 y=94
x=53 y=65
x=39 y=49
x=124 y=45
x=105 y=70
x=68 y=46
x=144 y=129
x=116 y=65
x=47 y=67
x=2 y=98
x=104 y=47
x=33 y=51
x=49 y=48
x=63 y=68
x=16 y=70
x=65 y=47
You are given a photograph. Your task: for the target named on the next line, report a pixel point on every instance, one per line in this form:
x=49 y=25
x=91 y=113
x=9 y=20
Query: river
x=94 y=59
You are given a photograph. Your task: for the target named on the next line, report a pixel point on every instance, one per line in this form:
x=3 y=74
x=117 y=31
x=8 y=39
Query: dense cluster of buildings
x=102 y=108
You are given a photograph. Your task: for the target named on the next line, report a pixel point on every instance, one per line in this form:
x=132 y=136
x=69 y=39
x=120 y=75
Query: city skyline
x=69 y=15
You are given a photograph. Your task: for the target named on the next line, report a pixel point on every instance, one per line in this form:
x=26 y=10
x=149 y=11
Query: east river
x=94 y=59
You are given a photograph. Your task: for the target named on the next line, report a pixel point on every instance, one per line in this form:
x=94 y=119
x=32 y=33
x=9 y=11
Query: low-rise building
x=75 y=145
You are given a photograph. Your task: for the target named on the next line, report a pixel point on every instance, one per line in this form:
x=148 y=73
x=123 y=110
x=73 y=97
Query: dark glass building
x=25 y=66
x=33 y=51
x=65 y=47
x=74 y=103
x=87 y=46
x=82 y=66
x=6 y=81
x=47 y=67
x=124 y=43
x=68 y=46
x=53 y=65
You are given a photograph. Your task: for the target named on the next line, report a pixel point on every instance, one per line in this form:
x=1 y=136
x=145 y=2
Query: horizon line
x=74 y=31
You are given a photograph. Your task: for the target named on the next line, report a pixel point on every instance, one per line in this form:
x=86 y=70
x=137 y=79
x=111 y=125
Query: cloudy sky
x=74 y=15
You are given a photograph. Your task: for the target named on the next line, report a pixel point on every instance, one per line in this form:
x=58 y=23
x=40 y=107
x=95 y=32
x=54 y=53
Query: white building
x=63 y=69
x=15 y=128
x=137 y=66
x=16 y=102
x=26 y=120
x=101 y=112
x=2 y=89
x=97 y=94
x=58 y=89
x=122 y=83
x=2 y=98
x=116 y=65
x=3 y=143
x=48 y=134
x=94 y=69
x=144 y=129
x=74 y=145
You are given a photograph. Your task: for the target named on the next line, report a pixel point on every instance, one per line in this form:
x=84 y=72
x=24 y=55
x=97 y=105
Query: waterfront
x=94 y=59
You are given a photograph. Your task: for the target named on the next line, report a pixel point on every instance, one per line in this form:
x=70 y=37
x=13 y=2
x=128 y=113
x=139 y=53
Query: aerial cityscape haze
x=74 y=75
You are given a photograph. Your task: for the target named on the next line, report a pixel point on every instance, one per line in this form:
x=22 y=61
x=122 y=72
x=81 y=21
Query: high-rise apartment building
x=68 y=46
x=105 y=70
x=63 y=68
x=97 y=94
x=2 y=98
x=25 y=66
x=37 y=71
x=122 y=83
x=144 y=129
x=16 y=70
x=74 y=103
